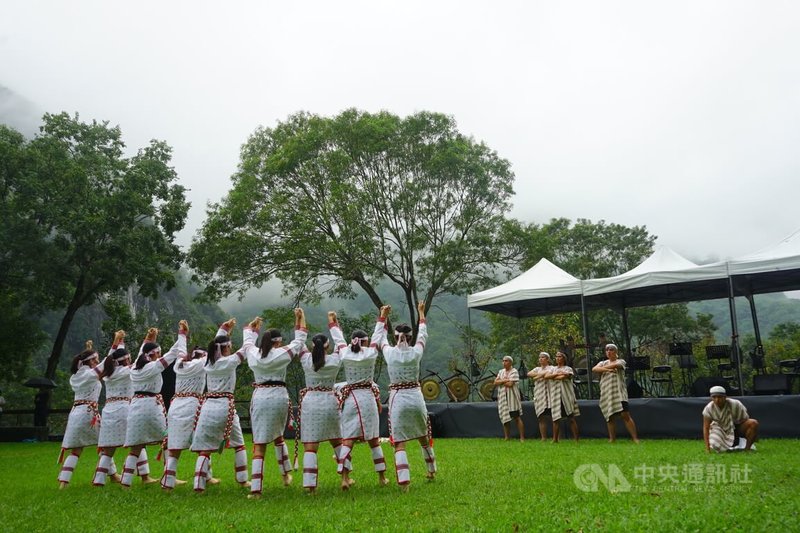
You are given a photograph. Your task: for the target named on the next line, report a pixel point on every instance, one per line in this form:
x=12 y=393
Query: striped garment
x=508 y=397
x=612 y=389
x=723 y=423
x=542 y=389
x=563 y=394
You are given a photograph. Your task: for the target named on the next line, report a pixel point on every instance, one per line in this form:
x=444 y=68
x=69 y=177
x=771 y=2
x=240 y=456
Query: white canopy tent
x=664 y=277
x=544 y=289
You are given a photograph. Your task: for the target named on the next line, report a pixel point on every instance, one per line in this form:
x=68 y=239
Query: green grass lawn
x=483 y=484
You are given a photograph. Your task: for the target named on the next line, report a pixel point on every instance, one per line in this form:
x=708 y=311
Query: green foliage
x=471 y=492
x=330 y=205
x=84 y=220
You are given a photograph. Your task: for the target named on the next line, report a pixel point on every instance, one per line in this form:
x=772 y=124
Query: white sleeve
x=379 y=333
x=250 y=336
x=422 y=335
x=179 y=348
x=337 y=335
x=299 y=342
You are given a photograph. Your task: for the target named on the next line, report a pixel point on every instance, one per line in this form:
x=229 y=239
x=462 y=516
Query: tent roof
x=542 y=290
x=772 y=269
x=664 y=277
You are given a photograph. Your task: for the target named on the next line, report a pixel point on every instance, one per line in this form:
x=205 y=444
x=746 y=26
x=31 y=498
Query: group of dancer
x=554 y=395
x=202 y=416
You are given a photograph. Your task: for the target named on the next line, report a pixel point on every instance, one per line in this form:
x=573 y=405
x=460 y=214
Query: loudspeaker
x=634 y=389
x=701 y=386
x=772 y=384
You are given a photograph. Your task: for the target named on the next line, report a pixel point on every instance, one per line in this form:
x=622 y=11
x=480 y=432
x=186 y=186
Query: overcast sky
x=680 y=116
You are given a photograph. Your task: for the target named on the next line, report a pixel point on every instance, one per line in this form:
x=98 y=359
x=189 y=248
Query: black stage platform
x=677 y=418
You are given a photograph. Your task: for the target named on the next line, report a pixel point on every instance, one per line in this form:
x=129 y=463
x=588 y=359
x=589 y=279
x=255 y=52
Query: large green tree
x=337 y=204
x=88 y=220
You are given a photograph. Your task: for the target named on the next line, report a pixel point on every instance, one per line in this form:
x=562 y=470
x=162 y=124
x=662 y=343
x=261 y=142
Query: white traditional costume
x=119 y=390
x=83 y=424
x=270 y=405
x=147 y=418
x=408 y=414
x=319 y=410
x=218 y=424
x=190 y=383
x=359 y=407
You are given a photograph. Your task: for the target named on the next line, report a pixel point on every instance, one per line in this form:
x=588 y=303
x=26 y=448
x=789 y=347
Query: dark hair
x=142 y=360
x=318 y=350
x=359 y=333
x=111 y=362
x=212 y=349
x=195 y=350
x=78 y=358
x=266 y=340
x=404 y=328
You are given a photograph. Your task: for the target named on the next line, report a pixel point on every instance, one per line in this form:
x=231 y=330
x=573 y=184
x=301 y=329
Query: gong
x=459 y=389
x=486 y=389
x=430 y=389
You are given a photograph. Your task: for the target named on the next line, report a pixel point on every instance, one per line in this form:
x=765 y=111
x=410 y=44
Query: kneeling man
x=725 y=419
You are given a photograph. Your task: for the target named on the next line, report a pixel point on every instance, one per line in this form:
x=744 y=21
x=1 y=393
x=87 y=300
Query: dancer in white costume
x=218 y=423
x=116 y=375
x=408 y=415
x=147 y=420
x=83 y=424
x=360 y=398
x=319 y=407
x=190 y=383
x=270 y=405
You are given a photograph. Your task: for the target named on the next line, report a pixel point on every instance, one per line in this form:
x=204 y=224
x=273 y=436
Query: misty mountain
x=18 y=113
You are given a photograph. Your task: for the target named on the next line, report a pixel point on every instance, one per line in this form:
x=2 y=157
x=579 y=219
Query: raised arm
x=336 y=331
x=251 y=331
x=379 y=334
x=152 y=336
x=300 y=333
x=179 y=348
x=422 y=334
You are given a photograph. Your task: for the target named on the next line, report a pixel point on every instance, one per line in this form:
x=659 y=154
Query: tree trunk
x=61 y=337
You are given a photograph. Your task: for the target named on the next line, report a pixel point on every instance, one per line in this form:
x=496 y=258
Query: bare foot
x=181 y=482
x=404 y=488
x=212 y=481
x=382 y=481
x=431 y=476
x=636 y=441
x=115 y=478
x=345 y=485
x=351 y=481
x=245 y=484
x=62 y=484
x=287 y=480
x=147 y=480
x=254 y=496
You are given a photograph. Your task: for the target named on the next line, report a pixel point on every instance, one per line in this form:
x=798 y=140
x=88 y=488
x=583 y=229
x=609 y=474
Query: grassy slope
x=483 y=484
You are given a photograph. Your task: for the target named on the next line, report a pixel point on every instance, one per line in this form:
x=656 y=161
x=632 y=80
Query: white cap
x=508 y=358
x=717 y=390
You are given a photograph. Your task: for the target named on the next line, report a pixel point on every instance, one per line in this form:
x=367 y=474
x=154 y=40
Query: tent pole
x=585 y=322
x=626 y=332
x=735 y=335
x=756 y=330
